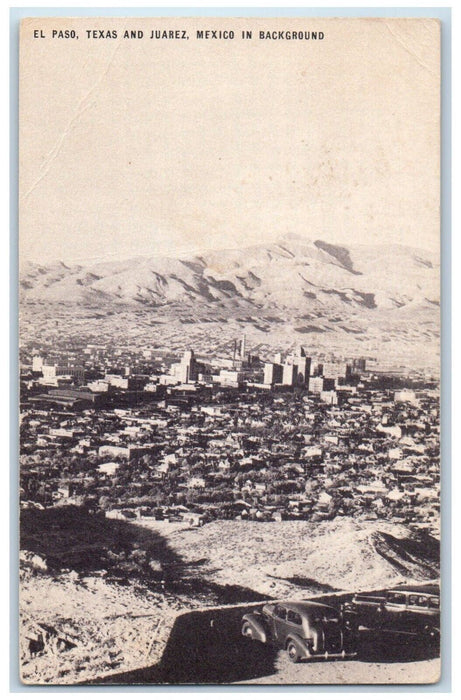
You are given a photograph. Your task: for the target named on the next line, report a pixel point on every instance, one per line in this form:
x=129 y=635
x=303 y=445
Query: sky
x=166 y=147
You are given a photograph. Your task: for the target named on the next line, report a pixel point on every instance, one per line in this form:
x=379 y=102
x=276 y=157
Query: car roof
x=425 y=589
x=304 y=606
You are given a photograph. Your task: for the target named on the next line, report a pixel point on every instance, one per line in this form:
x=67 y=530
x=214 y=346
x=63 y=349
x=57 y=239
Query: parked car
x=305 y=629
x=411 y=610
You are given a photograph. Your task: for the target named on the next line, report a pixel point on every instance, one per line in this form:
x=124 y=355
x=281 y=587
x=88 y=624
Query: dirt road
x=351 y=672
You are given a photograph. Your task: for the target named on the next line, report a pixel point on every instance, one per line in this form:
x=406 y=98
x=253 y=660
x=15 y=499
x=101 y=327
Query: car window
x=396 y=598
x=294 y=617
x=280 y=612
x=434 y=603
x=418 y=600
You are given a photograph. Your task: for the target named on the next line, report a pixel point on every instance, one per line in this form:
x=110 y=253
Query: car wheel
x=247 y=631
x=293 y=653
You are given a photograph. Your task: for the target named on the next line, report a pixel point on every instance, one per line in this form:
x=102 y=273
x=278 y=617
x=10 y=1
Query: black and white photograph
x=229 y=351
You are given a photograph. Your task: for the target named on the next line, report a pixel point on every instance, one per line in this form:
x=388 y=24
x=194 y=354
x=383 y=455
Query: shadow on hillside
x=71 y=538
x=420 y=551
x=310 y=584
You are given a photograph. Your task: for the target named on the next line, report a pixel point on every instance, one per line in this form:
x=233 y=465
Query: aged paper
x=229 y=350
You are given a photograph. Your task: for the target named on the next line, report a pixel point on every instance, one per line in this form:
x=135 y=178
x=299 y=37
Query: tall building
x=303 y=365
x=290 y=373
x=186 y=370
x=317 y=369
x=273 y=373
x=243 y=348
x=240 y=356
x=296 y=370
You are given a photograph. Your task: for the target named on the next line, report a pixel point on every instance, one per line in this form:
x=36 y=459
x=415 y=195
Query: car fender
x=258 y=629
x=318 y=638
x=300 y=643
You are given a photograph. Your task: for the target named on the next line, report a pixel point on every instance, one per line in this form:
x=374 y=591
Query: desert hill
x=291 y=274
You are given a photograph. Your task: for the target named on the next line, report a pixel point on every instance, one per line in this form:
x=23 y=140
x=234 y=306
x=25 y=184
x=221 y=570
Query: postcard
x=229 y=234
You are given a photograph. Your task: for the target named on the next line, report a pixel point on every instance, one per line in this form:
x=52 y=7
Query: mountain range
x=291 y=274
x=294 y=287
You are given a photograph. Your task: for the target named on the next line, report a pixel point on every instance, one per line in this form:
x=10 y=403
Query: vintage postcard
x=229 y=350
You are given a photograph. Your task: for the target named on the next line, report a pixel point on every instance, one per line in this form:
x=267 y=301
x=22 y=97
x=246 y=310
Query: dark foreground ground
x=207 y=647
